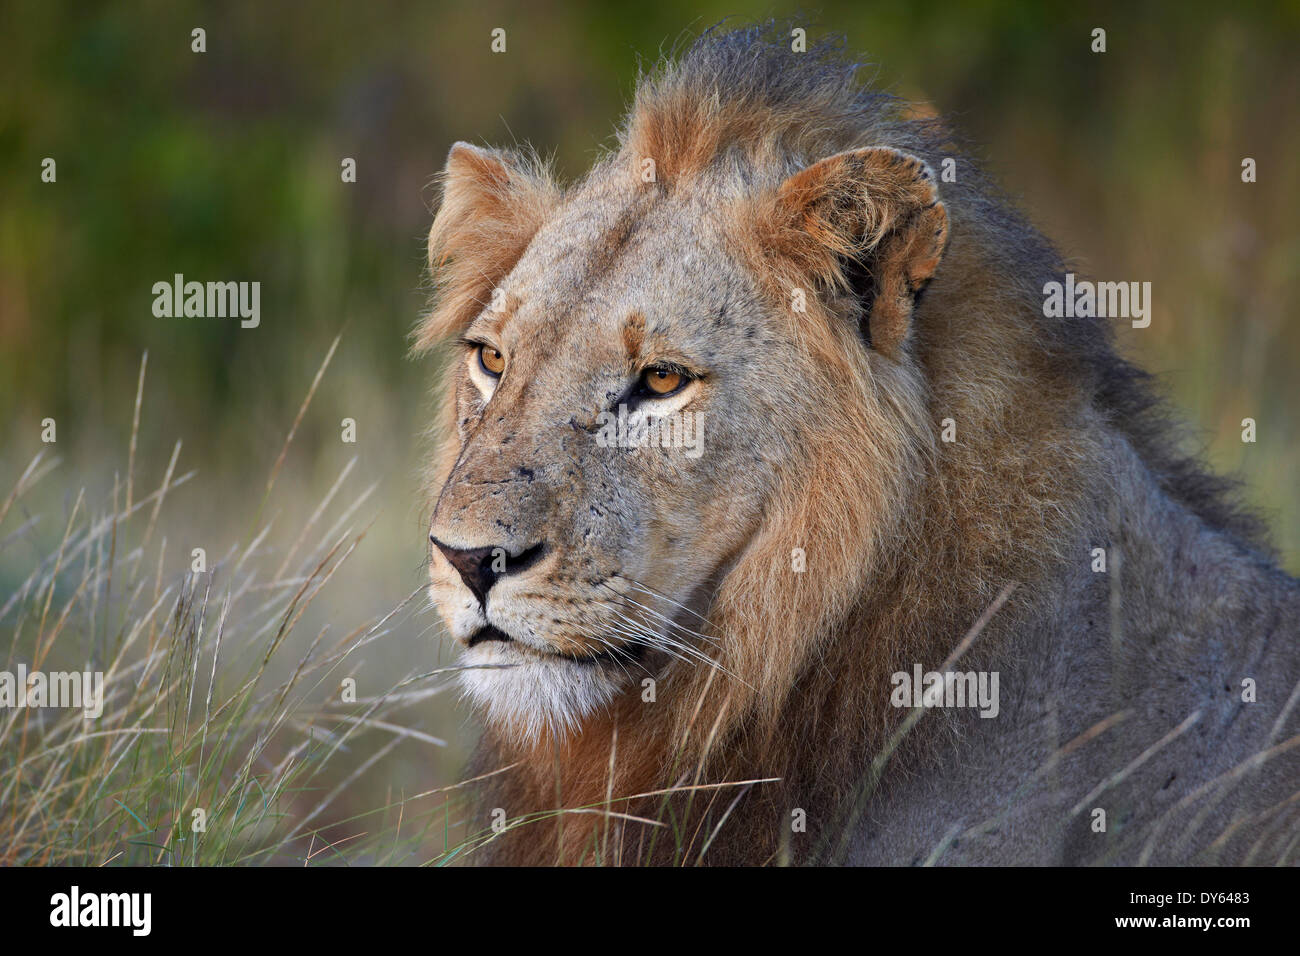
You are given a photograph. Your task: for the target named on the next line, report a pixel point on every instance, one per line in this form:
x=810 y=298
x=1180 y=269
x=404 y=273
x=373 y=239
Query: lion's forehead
x=606 y=256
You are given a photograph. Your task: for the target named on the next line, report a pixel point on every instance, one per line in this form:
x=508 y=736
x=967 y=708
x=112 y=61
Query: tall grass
x=212 y=747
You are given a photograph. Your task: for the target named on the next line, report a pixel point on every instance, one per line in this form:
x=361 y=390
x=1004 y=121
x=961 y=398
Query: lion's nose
x=480 y=568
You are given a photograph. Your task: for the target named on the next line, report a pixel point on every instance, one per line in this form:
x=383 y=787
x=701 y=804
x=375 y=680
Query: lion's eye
x=662 y=381
x=493 y=362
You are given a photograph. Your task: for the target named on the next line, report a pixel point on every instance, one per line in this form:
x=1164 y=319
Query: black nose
x=480 y=568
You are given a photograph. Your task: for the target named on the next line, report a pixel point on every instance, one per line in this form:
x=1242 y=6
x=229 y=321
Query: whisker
x=660 y=594
x=666 y=620
x=682 y=627
x=621 y=651
x=670 y=622
x=644 y=638
x=669 y=644
x=663 y=641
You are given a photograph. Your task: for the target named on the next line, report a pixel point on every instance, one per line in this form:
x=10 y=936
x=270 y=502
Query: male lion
x=691 y=650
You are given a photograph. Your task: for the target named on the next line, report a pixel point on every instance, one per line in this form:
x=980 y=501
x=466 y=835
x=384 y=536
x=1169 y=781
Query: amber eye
x=661 y=381
x=493 y=362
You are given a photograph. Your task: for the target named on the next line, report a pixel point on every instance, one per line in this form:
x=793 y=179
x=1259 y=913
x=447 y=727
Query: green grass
x=202 y=710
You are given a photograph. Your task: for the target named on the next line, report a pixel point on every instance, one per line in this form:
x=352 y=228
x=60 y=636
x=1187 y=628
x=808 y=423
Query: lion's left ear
x=876 y=211
x=493 y=203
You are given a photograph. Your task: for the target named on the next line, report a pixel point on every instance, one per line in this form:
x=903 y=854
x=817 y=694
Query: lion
x=701 y=652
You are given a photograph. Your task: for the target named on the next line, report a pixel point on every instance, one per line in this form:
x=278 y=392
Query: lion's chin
x=527 y=695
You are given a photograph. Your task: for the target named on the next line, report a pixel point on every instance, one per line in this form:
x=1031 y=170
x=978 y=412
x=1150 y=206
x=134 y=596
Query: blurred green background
x=225 y=165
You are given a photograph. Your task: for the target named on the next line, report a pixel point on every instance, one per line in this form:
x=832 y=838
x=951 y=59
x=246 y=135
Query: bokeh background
x=225 y=165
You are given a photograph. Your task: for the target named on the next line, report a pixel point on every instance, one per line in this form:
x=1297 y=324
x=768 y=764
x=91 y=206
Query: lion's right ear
x=493 y=203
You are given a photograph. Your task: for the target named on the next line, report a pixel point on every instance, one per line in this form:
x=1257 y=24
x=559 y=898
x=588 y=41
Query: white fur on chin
x=534 y=694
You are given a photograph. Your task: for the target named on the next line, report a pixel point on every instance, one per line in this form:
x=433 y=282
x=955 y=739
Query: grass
x=212 y=747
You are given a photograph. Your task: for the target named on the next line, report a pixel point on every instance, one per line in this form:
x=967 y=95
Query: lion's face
x=661 y=395
x=622 y=408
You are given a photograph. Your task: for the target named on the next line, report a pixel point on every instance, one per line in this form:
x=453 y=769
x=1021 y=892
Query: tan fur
x=481 y=230
x=768 y=183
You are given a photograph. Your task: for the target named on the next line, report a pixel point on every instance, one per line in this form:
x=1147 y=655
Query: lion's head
x=682 y=391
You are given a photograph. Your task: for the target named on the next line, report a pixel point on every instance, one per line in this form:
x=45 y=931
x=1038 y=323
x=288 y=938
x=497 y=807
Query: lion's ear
x=868 y=219
x=493 y=203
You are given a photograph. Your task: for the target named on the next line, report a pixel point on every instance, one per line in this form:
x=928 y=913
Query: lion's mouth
x=622 y=655
x=489 y=632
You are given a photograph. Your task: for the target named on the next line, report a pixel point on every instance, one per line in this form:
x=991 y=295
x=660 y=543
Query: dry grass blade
x=179 y=732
